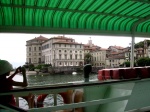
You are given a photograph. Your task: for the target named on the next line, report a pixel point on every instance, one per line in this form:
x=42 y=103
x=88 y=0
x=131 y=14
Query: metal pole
x=132 y=52
x=55 y=99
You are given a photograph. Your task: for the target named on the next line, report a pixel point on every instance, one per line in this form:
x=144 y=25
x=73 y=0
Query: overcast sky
x=13 y=46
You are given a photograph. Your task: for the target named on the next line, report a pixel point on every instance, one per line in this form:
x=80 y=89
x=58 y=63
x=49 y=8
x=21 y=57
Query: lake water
x=38 y=80
x=35 y=80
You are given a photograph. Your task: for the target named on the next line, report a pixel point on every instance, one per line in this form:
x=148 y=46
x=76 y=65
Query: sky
x=13 y=45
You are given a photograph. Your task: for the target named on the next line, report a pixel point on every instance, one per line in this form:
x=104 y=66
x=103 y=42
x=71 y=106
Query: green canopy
x=94 y=17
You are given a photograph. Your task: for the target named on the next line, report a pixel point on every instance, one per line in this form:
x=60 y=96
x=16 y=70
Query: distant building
x=34 y=50
x=140 y=52
x=63 y=51
x=113 y=62
x=116 y=56
x=148 y=51
x=115 y=49
x=99 y=57
x=98 y=53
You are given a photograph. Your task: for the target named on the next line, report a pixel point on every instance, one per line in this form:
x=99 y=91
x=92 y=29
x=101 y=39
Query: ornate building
x=62 y=51
x=98 y=53
x=34 y=50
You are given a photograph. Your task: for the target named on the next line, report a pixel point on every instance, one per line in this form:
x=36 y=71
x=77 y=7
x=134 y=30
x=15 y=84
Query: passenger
x=78 y=98
x=7 y=82
x=74 y=97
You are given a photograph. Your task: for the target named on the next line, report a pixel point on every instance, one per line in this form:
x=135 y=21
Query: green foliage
x=139 y=44
x=47 y=65
x=38 y=67
x=42 y=66
x=148 y=42
x=145 y=61
x=127 y=64
x=87 y=58
x=31 y=67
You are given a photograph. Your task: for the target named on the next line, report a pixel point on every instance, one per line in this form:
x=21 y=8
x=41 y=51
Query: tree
x=127 y=64
x=87 y=58
x=145 y=61
x=31 y=67
x=141 y=44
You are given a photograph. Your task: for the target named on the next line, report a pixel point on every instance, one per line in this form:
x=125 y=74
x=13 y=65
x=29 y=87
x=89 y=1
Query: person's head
x=5 y=67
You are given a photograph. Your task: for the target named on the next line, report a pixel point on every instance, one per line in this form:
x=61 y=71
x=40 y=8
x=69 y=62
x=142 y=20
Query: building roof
x=100 y=49
x=64 y=42
x=138 y=49
x=116 y=57
x=117 y=47
x=62 y=37
x=39 y=38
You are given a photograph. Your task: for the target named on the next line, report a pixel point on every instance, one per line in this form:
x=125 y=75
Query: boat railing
x=55 y=89
x=116 y=90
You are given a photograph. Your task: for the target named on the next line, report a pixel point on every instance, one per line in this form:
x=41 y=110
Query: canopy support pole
x=132 y=52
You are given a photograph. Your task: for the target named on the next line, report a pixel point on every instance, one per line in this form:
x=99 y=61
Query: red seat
x=144 y=73
x=108 y=73
x=121 y=73
x=130 y=73
x=100 y=75
x=148 y=69
x=115 y=74
x=138 y=71
x=105 y=74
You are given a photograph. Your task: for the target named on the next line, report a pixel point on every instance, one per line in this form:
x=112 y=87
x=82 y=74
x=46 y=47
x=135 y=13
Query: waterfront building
x=116 y=56
x=114 y=62
x=140 y=52
x=98 y=54
x=63 y=51
x=89 y=47
x=34 y=51
x=99 y=57
x=115 y=48
x=148 y=51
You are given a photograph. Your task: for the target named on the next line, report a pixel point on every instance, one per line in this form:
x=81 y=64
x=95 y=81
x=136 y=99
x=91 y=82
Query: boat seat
x=106 y=74
x=119 y=73
x=101 y=75
x=129 y=73
x=142 y=72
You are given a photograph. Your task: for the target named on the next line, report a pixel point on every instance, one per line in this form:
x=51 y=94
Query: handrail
x=65 y=86
x=81 y=104
x=12 y=108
